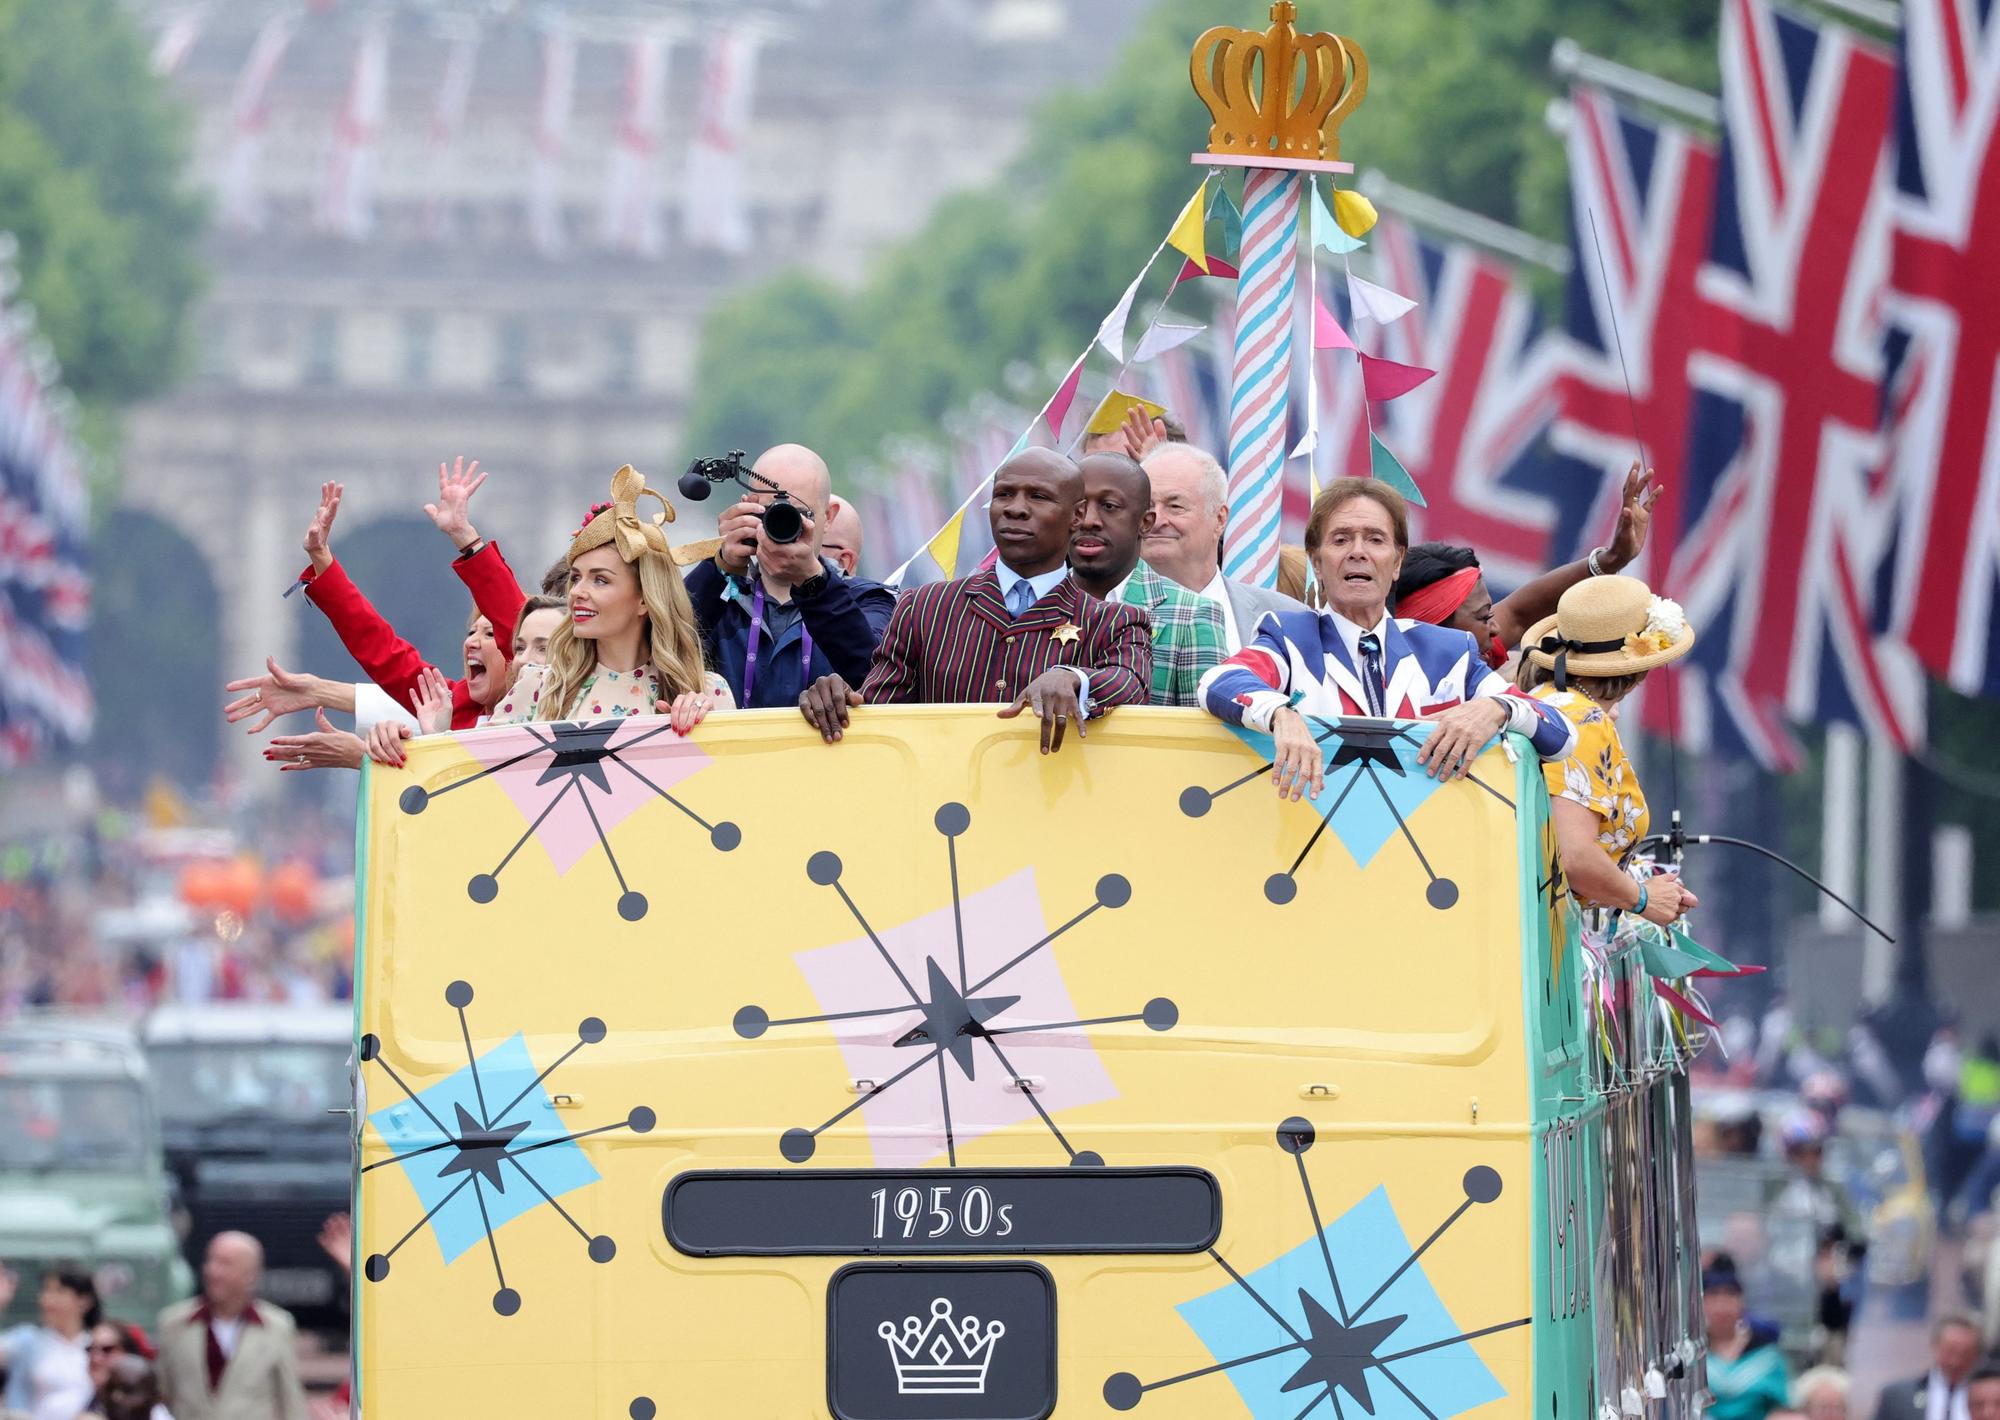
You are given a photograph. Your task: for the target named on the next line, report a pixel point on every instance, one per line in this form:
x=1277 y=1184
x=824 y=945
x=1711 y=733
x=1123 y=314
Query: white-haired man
x=1190 y=514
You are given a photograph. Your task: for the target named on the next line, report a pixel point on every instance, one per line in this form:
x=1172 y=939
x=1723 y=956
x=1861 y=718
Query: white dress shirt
x=1941 y=1402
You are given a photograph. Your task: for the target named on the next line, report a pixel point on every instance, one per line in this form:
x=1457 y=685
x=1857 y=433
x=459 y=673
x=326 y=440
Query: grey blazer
x=1905 y=1399
x=1249 y=603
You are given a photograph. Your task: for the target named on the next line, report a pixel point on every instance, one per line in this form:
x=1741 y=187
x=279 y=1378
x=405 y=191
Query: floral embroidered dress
x=606 y=694
x=1597 y=774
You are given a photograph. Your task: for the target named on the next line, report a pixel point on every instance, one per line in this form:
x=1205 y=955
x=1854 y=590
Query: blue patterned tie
x=1020 y=597
x=1371 y=670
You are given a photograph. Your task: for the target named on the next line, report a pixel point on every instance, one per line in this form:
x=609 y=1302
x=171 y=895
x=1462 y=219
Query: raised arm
x=495 y=590
x=281 y=692
x=1536 y=599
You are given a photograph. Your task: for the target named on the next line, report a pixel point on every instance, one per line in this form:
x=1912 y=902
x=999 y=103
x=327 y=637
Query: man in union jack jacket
x=1355 y=659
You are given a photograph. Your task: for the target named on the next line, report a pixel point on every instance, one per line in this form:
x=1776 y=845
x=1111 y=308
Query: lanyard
x=750 y=655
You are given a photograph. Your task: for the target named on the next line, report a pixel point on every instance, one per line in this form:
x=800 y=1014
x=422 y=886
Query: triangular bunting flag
x=986 y=562
x=1681 y=1003
x=1383 y=465
x=1216 y=267
x=1385 y=380
x=1162 y=338
x=1111 y=335
x=1378 y=303
x=1057 y=408
x=1189 y=236
x=1224 y=206
x=1327 y=232
x=1354 y=213
x=1327 y=334
x=943 y=545
x=1111 y=413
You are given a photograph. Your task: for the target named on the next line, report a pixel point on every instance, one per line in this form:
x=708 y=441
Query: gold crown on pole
x=1277 y=93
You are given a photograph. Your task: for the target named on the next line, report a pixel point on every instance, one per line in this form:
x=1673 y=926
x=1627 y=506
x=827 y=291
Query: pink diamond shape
x=905 y=1122
x=566 y=834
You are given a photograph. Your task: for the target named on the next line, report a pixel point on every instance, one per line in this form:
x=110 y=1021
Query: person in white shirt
x=1184 y=545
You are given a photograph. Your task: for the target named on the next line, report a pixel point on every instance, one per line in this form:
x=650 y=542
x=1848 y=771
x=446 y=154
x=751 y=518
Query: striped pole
x=1260 y=396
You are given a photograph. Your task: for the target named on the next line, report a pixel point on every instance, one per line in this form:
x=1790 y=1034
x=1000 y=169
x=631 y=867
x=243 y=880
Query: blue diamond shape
x=1363 y=823
x=1368 y=1243
x=504 y=1072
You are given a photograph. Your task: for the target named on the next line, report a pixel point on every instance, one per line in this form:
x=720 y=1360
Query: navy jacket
x=846 y=621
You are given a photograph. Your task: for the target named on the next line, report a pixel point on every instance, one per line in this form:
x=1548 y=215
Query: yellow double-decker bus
x=928 y=1076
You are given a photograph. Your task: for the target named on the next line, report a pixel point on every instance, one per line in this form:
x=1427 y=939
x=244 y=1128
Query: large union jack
x=1475 y=437
x=1785 y=438
x=44 y=592
x=1945 y=305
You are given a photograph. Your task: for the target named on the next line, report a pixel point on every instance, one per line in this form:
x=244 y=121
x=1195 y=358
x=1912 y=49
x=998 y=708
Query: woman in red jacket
x=390 y=661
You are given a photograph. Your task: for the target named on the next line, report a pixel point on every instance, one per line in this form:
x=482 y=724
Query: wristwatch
x=471 y=549
x=811 y=587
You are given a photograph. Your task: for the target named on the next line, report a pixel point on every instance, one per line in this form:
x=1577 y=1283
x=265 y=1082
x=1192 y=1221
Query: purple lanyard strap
x=750 y=656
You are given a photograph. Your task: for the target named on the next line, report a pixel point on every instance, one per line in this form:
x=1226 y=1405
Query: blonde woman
x=629 y=645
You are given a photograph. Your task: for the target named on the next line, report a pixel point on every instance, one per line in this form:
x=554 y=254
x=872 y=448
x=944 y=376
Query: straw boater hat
x=1608 y=626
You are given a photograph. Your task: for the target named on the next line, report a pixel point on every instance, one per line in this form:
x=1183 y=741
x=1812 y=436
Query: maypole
x=1281 y=129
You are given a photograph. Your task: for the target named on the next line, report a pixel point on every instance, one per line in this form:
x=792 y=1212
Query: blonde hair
x=673 y=644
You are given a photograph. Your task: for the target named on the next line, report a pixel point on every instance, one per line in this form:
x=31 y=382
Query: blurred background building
x=493 y=230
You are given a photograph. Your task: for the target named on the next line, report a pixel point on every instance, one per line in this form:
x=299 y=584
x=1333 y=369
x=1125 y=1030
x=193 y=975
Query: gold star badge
x=1066 y=633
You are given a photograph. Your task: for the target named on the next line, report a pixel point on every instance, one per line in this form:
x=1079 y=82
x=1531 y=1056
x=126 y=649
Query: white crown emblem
x=943 y=1358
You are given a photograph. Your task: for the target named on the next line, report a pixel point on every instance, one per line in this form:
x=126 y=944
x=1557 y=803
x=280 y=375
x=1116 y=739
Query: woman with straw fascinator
x=1607 y=633
x=628 y=644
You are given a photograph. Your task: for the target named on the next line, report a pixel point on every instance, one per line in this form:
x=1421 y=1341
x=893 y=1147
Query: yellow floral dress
x=605 y=695
x=1597 y=774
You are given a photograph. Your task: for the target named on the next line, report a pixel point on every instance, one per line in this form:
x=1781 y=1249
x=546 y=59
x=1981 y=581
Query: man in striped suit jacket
x=1022 y=634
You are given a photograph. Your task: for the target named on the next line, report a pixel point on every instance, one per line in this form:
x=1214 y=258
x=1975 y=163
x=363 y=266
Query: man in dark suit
x=1022 y=634
x=1941 y=1392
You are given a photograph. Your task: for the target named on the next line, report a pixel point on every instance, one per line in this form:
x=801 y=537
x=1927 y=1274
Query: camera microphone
x=693 y=486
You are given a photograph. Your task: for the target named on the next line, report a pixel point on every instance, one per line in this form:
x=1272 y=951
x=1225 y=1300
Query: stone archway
x=155 y=656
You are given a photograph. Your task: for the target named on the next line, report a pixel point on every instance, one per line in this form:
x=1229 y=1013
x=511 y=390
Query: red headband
x=1440 y=599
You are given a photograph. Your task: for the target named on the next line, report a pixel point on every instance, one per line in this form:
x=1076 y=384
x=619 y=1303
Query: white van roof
x=248 y=1023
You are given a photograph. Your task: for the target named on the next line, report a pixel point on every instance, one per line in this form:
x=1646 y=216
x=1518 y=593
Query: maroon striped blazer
x=953 y=642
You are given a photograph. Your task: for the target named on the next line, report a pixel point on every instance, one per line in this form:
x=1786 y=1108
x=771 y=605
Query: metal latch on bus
x=1319 y=1092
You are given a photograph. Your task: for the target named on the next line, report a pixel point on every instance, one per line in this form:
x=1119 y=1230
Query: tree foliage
x=1026 y=269
x=92 y=185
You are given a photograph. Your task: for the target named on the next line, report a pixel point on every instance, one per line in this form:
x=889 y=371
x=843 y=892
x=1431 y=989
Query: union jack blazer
x=954 y=643
x=1299 y=659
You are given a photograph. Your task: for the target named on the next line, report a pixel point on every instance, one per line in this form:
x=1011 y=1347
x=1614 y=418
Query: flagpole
x=1280 y=134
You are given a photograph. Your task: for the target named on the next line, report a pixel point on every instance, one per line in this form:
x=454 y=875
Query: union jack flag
x=1475 y=437
x=1944 y=307
x=44 y=591
x=1786 y=464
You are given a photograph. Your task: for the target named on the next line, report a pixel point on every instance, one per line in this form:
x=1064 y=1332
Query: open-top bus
x=928 y=1076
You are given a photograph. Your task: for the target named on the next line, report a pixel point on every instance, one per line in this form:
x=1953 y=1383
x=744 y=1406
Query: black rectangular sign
x=941 y=1341
x=927 y=1212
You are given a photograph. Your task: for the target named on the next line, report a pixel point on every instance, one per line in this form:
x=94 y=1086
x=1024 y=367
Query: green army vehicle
x=82 y=1180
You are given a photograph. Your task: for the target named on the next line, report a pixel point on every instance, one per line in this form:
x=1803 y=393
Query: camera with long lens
x=784 y=518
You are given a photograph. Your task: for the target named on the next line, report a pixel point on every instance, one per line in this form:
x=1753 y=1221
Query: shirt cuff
x=373 y=705
x=1260 y=705
x=1082 y=690
x=1521 y=716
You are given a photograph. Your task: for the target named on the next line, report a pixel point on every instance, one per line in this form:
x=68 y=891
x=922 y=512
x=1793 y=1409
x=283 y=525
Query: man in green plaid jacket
x=1188 y=636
